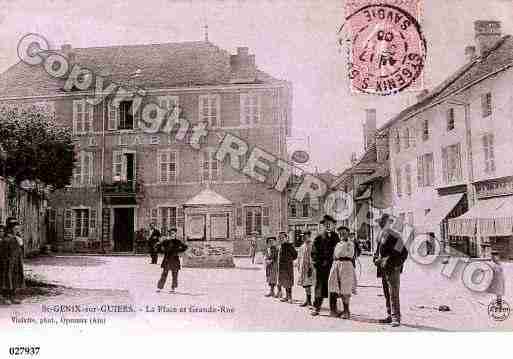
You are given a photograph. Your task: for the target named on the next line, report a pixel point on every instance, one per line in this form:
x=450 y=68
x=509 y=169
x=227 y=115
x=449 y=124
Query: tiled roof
x=156 y=65
x=366 y=164
x=498 y=57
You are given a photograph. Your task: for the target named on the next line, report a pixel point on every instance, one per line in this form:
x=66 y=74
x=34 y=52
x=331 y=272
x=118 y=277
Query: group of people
x=327 y=263
x=171 y=247
x=11 y=261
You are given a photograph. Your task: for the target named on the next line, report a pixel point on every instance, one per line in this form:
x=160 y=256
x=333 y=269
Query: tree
x=38 y=149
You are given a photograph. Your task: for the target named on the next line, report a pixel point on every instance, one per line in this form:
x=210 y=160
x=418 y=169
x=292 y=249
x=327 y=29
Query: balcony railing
x=126 y=187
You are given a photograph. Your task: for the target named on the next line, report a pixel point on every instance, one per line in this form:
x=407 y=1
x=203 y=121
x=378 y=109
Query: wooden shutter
x=92 y=223
x=68 y=224
x=420 y=171
x=445 y=165
x=112 y=115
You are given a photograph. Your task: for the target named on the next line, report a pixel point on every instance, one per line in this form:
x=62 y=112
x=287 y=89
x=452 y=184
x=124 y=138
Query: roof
x=207 y=197
x=366 y=165
x=165 y=65
x=381 y=172
x=496 y=58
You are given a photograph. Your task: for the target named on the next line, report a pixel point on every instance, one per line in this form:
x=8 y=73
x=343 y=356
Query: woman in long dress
x=305 y=268
x=342 y=277
x=12 y=262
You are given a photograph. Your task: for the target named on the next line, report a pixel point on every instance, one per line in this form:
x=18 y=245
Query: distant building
x=367 y=182
x=126 y=179
x=451 y=151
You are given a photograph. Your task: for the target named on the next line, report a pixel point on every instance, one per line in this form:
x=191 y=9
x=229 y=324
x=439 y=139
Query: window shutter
x=265 y=216
x=75 y=116
x=154 y=216
x=420 y=171
x=238 y=217
x=486 y=155
x=413 y=134
x=68 y=224
x=112 y=116
x=491 y=154
x=445 y=159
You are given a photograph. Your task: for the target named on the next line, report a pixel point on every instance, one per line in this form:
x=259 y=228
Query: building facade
x=451 y=151
x=126 y=178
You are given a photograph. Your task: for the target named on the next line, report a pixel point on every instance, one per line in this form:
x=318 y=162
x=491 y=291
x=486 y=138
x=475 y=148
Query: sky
x=294 y=40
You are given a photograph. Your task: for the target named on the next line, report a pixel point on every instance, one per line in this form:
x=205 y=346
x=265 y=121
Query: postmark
x=499 y=310
x=388 y=50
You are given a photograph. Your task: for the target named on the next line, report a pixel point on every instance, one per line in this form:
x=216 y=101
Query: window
x=167 y=166
x=425 y=130
x=168 y=103
x=398 y=184
x=167 y=218
x=83 y=171
x=238 y=217
x=489 y=153
x=82 y=117
x=450 y=119
x=126 y=116
x=250 y=108
x=209 y=109
x=253 y=216
x=425 y=170
x=209 y=165
x=293 y=209
x=117 y=164
x=410 y=219
x=413 y=138
x=397 y=141
x=305 y=206
x=154 y=216
x=486 y=104
x=407 y=137
x=81 y=217
x=451 y=163
x=276 y=107
x=407 y=175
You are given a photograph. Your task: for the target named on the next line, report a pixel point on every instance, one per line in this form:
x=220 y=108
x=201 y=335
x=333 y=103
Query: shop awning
x=441 y=208
x=490 y=217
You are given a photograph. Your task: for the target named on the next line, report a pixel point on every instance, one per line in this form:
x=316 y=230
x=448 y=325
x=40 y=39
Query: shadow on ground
x=71 y=261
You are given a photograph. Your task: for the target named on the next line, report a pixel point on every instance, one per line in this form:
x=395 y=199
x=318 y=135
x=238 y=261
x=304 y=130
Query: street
x=233 y=299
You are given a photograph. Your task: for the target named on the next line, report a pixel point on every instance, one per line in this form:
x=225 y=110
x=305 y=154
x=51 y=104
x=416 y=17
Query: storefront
x=490 y=220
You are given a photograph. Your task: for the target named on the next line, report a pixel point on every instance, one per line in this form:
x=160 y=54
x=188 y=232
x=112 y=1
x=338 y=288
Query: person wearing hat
x=171 y=247
x=389 y=262
x=287 y=254
x=322 y=258
x=341 y=279
x=12 y=268
x=305 y=269
x=271 y=265
x=155 y=236
x=497 y=285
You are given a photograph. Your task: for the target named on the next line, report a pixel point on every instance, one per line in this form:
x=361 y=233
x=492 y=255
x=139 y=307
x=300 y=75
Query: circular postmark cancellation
x=388 y=50
x=499 y=310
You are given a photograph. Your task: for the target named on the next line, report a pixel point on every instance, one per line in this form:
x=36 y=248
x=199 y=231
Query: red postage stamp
x=387 y=48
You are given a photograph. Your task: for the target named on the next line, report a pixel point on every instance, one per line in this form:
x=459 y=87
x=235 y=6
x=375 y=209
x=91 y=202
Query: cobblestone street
x=238 y=294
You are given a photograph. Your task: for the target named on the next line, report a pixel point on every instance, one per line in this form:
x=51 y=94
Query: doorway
x=123 y=230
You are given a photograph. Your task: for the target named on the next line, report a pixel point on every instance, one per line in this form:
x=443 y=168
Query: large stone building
x=451 y=151
x=126 y=179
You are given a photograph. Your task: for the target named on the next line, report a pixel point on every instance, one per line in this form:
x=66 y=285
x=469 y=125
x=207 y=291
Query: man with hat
x=389 y=259
x=322 y=258
x=171 y=247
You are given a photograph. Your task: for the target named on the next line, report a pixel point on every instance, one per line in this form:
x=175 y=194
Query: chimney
x=470 y=53
x=369 y=128
x=487 y=33
x=243 y=69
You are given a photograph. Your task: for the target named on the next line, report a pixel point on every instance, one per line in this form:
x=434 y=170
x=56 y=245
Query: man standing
x=389 y=259
x=287 y=254
x=322 y=258
x=152 y=241
x=171 y=262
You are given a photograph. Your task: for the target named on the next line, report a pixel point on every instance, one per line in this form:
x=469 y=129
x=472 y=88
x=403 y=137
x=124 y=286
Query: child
x=305 y=268
x=497 y=285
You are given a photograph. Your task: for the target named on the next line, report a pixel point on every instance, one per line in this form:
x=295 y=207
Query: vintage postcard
x=262 y=166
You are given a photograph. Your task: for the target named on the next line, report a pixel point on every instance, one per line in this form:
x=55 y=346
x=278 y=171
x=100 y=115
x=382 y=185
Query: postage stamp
x=387 y=48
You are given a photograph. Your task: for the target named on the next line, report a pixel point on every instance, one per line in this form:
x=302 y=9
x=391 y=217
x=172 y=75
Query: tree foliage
x=38 y=149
